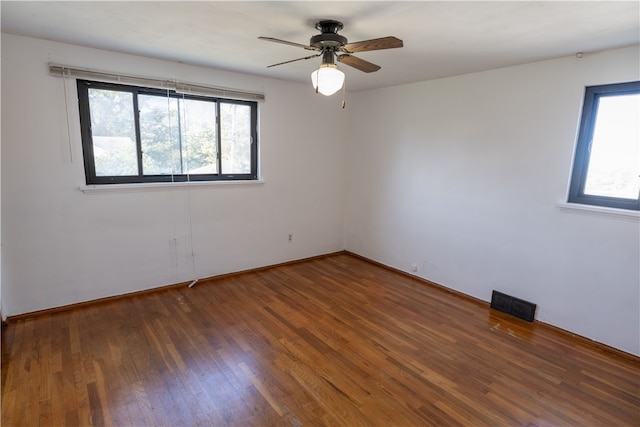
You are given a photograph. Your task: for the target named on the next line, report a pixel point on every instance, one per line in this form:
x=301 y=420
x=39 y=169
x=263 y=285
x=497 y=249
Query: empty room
x=319 y=213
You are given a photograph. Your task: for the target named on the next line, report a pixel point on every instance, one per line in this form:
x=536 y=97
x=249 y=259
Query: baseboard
x=92 y=302
x=104 y=300
x=536 y=323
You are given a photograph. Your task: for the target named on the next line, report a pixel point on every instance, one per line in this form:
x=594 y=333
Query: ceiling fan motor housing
x=329 y=37
x=329 y=26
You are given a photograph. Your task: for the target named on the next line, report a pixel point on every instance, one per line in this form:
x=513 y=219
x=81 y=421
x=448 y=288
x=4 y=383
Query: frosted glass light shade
x=327 y=79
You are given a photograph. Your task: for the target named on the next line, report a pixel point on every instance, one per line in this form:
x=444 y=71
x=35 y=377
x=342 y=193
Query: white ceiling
x=441 y=38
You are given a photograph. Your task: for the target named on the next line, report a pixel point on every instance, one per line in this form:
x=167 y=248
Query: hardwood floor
x=333 y=341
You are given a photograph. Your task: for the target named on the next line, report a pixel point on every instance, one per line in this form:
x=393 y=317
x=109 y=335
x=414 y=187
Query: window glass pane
x=199 y=141
x=235 y=120
x=113 y=133
x=159 y=135
x=152 y=135
x=614 y=164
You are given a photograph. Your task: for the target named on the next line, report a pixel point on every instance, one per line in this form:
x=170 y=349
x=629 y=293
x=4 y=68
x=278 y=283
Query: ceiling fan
x=333 y=46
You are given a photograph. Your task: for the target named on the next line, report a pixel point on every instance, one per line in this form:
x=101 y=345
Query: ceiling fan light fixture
x=327 y=79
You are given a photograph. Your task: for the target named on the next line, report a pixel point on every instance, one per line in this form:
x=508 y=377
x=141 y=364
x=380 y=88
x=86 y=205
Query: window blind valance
x=178 y=86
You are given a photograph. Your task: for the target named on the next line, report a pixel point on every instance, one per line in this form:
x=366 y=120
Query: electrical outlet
x=290 y=238
x=414 y=267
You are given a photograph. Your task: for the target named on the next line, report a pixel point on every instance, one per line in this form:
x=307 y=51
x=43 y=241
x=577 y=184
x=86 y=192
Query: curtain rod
x=178 y=86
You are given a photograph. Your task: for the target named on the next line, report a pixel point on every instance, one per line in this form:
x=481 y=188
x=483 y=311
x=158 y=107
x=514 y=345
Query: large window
x=606 y=169
x=132 y=134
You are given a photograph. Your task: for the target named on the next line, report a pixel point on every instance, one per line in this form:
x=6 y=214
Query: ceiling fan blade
x=271 y=39
x=373 y=44
x=294 y=60
x=358 y=63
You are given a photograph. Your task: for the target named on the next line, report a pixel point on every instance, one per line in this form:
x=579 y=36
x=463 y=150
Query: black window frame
x=583 y=147
x=87 y=138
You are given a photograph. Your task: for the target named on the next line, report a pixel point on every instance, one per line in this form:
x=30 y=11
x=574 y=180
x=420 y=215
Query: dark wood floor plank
x=329 y=341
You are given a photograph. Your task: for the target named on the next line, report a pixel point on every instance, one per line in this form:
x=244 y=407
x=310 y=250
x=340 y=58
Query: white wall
x=462 y=177
x=62 y=246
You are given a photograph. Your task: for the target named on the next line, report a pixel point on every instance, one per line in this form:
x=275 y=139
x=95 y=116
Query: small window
x=133 y=135
x=606 y=168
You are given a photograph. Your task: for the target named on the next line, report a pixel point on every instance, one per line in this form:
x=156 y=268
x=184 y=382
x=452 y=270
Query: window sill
x=599 y=210
x=161 y=186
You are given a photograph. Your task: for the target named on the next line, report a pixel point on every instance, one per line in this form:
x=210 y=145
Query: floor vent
x=514 y=306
